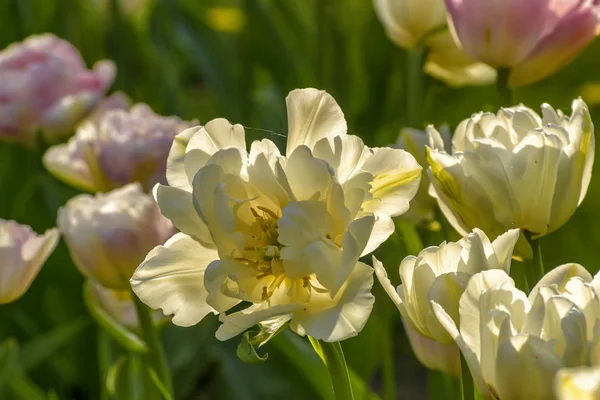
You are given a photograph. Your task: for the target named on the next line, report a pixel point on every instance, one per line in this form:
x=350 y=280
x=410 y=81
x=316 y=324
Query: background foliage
x=237 y=59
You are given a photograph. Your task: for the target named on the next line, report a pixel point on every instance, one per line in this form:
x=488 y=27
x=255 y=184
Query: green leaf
x=159 y=385
x=42 y=347
x=123 y=336
x=9 y=357
x=113 y=374
x=252 y=340
x=247 y=352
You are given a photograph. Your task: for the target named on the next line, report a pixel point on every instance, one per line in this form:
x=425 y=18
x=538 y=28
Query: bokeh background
x=202 y=59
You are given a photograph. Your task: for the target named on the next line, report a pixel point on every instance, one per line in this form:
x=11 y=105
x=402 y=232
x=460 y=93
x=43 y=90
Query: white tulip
x=108 y=235
x=281 y=232
x=441 y=274
x=515 y=344
x=582 y=383
x=22 y=254
x=515 y=169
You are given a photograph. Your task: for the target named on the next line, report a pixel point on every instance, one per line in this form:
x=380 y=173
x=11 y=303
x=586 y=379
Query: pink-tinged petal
x=45 y=85
x=499 y=33
x=571 y=34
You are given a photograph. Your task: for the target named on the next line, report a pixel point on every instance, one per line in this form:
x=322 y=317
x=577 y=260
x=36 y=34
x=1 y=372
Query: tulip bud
x=109 y=235
x=422 y=206
x=116 y=147
x=535 y=38
x=44 y=85
x=515 y=169
x=581 y=383
x=407 y=22
x=440 y=274
x=22 y=254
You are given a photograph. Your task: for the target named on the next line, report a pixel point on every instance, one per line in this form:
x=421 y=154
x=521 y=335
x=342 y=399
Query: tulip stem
x=156 y=354
x=537 y=269
x=333 y=357
x=468 y=391
x=505 y=95
x=415 y=86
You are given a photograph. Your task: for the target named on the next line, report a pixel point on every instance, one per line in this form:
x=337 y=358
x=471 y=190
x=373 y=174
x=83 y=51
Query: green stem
x=412 y=239
x=333 y=357
x=468 y=391
x=389 y=372
x=536 y=271
x=156 y=354
x=505 y=96
x=105 y=355
x=415 y=86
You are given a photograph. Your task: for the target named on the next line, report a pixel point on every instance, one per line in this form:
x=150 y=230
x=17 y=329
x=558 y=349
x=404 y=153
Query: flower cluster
x=283 y=233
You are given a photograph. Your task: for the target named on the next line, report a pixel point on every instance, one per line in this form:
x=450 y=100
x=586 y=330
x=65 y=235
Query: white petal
x=172 y=278
x=342 y=317
x=176 y=175
x=308 y=177
x=382 y=230
x=560 y=276
x=312 y=115
x=177 y=205
x=396 y=178
x=238 y=322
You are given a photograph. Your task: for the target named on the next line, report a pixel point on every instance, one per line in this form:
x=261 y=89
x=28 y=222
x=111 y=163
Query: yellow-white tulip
x=582 y=383
x=515 y=169
x=515 y=344
x=22 y=254
x=440 y=274
x=108 y=235
x=408 y=22
x=283 y=233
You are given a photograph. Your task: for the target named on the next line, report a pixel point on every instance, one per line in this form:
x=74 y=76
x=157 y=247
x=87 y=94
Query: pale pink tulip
x=115 y=147
x=45 y=86
x=534 y=38
x=22 y=254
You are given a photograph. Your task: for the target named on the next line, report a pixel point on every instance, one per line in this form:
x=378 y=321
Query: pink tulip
x=534 y=38
x=116 y=146
x=45 y=85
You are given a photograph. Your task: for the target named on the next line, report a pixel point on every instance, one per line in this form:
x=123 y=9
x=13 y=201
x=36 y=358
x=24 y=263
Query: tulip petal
x=172 y=278
x=342 y=317
x=177 y=205
x=238 y=322
x=176 y=176
x=312 y=115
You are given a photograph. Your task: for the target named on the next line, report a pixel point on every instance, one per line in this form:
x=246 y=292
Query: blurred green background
x=238 y=59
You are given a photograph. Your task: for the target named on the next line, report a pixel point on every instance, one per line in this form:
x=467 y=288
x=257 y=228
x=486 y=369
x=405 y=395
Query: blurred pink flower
x=115 y=147
x=109 y=235
x=535 y=38
x=22 y=254
x=45 y=85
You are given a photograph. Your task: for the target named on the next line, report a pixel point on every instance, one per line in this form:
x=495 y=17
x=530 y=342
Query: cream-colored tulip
x=283 y=233
x=422 y=206
x=515 y=169
x=22 y=254
x=441 y=274
x=408 y=22
x=515 y=344
x=108 y=235
x=582 y=383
